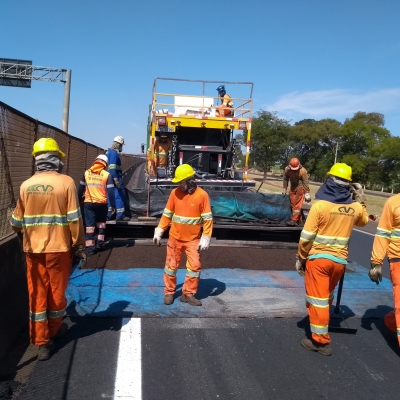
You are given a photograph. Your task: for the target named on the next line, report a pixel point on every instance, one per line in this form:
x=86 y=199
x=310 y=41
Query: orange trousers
x=321 y=277
x=47 y=275
x=392 y=320
x=296 y=202
x=175 y=249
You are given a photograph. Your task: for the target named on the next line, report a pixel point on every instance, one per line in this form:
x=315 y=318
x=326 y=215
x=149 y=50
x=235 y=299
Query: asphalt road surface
x=213 y=358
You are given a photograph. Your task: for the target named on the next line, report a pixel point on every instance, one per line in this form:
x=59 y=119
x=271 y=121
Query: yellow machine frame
x=242 y=114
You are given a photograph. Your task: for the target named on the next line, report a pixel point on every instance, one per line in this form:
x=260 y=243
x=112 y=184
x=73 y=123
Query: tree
x=269 y=140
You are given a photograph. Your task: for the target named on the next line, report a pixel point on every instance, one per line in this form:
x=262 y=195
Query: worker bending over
x=226 y=107
x=115 y=169
x=387 y=243
x=96 y=189
x=48 y=215
x=162 y=146
x=299 y=189
x=323 y=248
x=189 y=209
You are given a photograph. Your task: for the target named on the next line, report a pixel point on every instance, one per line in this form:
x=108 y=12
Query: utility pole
x=67 y=91
x=337 y=145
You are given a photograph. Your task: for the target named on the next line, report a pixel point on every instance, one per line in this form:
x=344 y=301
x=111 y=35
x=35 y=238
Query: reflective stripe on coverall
x=115 y=169
x=47 y=275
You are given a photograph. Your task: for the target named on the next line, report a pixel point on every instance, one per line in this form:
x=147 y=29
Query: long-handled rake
x=339 y=329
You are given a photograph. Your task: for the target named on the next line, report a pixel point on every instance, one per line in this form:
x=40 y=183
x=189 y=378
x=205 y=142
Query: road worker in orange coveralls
x=387 y=243
x=189 y=209
x=48 y=215
x=323 y=248
x=299 y=189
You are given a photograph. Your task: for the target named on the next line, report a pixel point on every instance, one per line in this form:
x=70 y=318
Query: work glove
x=204 y=243
x=116 y=183
x=284 y=192
x=307 y=198
x=357 y=193
x=80 y=253
x=375 y=273
x=300 y=265
x=158 y=232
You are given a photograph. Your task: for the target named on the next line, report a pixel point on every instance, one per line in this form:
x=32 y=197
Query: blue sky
x=307 y=58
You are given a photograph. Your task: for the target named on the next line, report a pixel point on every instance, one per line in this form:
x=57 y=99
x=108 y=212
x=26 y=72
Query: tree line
x=362 y=142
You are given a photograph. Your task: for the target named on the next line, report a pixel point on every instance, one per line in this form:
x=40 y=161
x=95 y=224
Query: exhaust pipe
x=372 y=217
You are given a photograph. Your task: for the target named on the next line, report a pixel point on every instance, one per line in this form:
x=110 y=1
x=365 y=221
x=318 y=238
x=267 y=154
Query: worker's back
x=329 y=226
x=47 y=204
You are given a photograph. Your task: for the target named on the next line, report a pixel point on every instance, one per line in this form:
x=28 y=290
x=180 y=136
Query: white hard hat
x=119 y=139
x=102 y=157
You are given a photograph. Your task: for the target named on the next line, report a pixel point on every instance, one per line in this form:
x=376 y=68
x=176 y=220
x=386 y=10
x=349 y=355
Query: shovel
x=339 y=329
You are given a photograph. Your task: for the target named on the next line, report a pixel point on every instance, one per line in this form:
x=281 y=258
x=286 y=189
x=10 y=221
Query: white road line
x=367 y=233
x=128 y=380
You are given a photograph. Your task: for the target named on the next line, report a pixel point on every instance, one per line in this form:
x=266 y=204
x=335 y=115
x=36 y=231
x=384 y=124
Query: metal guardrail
x=18 y=133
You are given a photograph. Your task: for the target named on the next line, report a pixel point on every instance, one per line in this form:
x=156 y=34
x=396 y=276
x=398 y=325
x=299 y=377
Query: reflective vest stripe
x=192 y=274
x=32 y=220
x=307 y=236
x=186 y=220
x=331 y=241
x=318 y=329
x=114 y=166
x=383 y=233
x=168 y=213
x=55 y=314
x=74 y=215
x=207 y=216
x=16 y=222
x=395 y=234
x=317 y=302
x=96 y=185
x=170 y=272
x=36 y=317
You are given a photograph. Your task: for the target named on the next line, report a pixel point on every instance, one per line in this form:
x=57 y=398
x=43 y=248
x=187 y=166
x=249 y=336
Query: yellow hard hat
x=183 y=172
x=341 y=170
x=46 y=145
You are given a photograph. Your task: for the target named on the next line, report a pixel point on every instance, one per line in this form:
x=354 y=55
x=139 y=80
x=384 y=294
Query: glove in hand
x=204 y=243
x=80 y=253
x=158 y=232
x=375 y=273
x=357 y=192
x=307 y=198
x=116 y=183
x=284 y=192
x=300 y=265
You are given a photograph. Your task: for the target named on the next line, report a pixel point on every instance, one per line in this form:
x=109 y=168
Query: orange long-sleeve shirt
x=189 y=213
x=296 y=178
x=328 y=228
x=387 y=237
x=48 y=212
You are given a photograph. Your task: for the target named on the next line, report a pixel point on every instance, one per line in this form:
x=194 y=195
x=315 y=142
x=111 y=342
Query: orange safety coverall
x=160 y=155
x=48 y=213
x=298 y=188
x=190 y=214
x=226 y=108
x=324 y=242
x=387 y=243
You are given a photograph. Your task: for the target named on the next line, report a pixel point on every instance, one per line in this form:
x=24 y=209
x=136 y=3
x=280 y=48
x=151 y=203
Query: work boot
x=190 y=300
x=62 y=331
x=45 y=351
x=123 y=219
x=168 y=299
x=312 y=345
x=291 y=223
